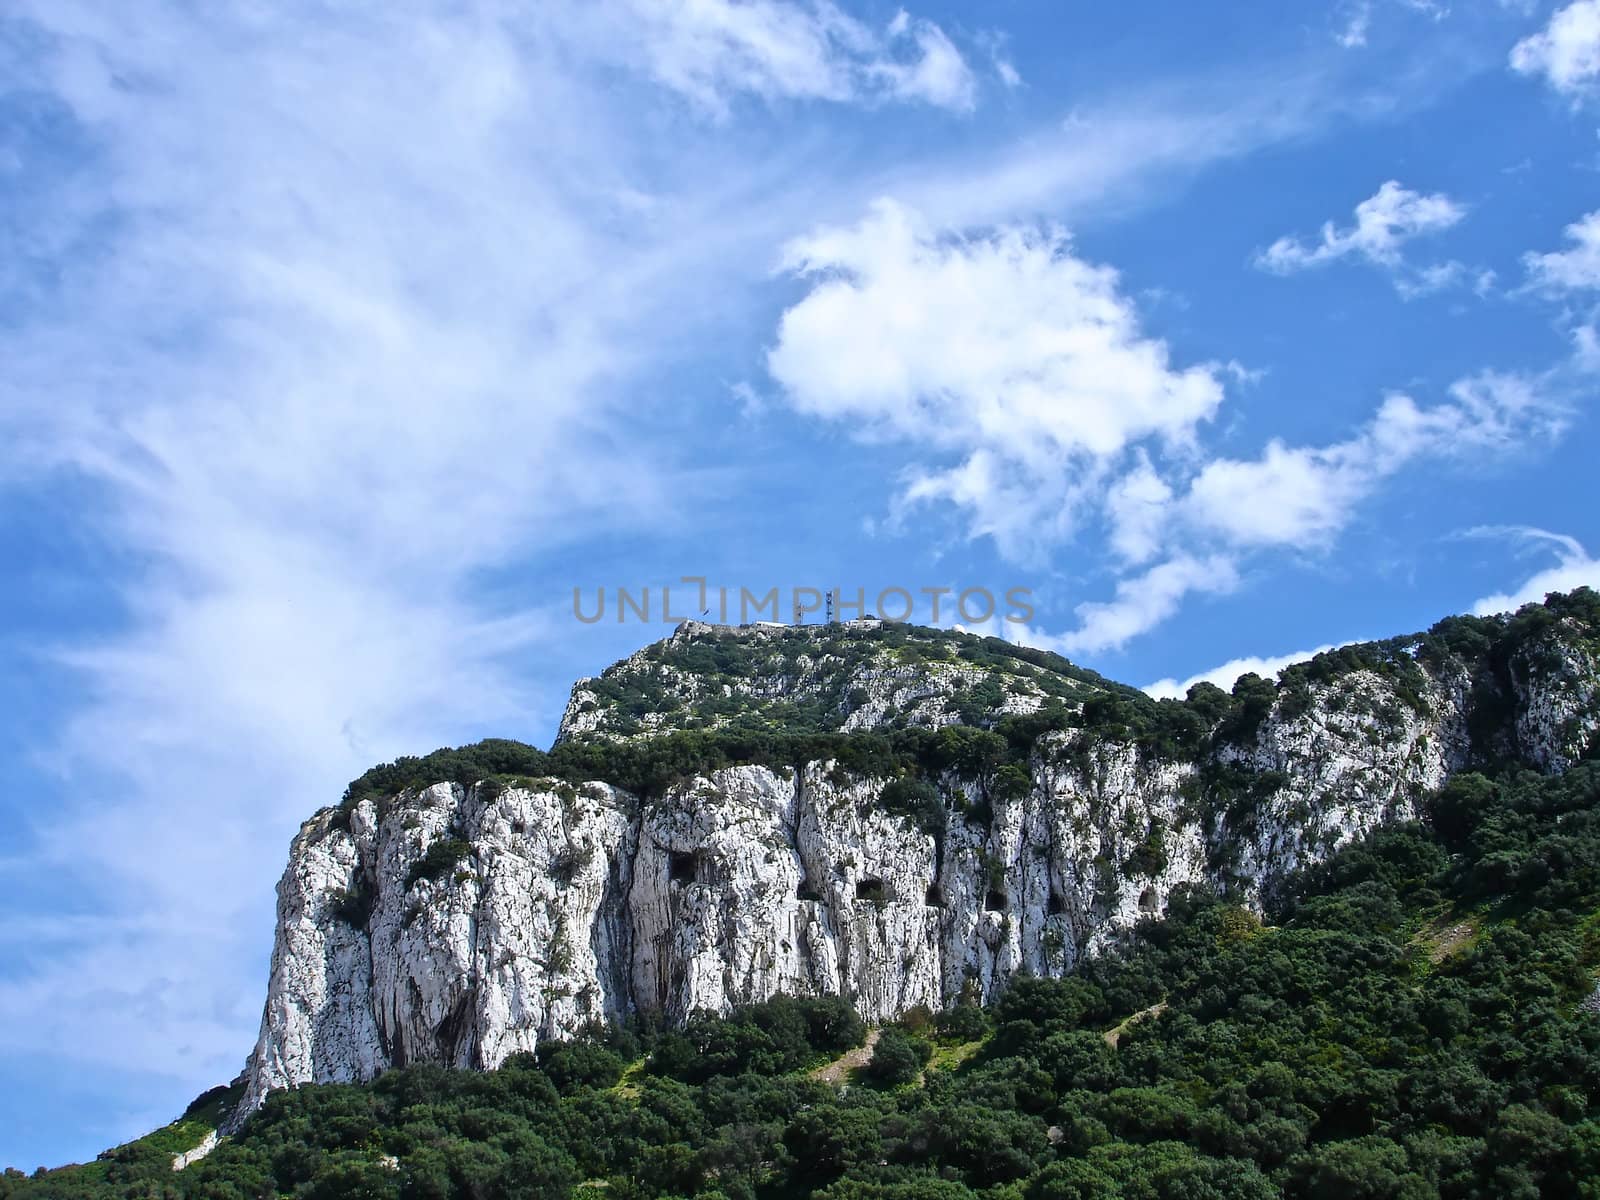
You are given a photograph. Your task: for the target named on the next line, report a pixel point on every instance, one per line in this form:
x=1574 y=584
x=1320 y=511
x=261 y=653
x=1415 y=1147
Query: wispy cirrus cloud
x=330 y=326
x=1355 y=19
x=1384 y=223
x=713 y=51
x=322 y=327
x=1574 y=567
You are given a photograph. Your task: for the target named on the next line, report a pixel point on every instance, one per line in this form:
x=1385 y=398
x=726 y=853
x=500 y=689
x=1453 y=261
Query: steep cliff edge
x=897 y=815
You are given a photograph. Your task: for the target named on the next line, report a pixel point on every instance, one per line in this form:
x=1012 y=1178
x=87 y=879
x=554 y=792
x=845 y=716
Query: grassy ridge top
x=823 y=678
x=983 y=738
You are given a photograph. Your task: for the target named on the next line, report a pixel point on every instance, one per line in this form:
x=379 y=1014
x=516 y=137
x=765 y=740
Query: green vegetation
x=897 y=1059
x=438 y=860
x=1409 y=1021
x=1083 y=707
x=1327 y=1052
x=800 y=679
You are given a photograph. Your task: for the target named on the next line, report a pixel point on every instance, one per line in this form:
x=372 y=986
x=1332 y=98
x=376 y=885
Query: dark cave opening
x=681 y=867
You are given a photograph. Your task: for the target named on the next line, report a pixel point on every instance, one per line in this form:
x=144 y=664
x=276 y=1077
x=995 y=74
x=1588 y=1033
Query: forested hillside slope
x=1333 y=935
x=1414 y=1018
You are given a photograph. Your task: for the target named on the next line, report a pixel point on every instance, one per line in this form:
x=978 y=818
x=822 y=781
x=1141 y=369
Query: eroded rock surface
x=459 y=924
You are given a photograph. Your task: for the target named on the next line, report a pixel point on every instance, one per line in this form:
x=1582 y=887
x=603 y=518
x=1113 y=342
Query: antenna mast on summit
x=830 y=612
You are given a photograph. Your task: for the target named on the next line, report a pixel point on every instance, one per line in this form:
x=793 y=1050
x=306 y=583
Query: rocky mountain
x=850 y=676
x=897 y=815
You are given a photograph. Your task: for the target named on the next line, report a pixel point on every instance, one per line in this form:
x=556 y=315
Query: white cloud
x=1003 y=349
x=1026 y=366
x=1301 y=497
x=938 y=75
x=1586 y=348
x=1139 y=604
x=1566 y=53
x=1137 y=507
x=1290 y=498
x=1384 y=222
x=1229 y=672
x=350 y=335
x=1357 y=19
x=1144 y=601
x=712 y=50
x=1574 y=568
x=1439 y=277
x=1574 y=269
x=1354 y=33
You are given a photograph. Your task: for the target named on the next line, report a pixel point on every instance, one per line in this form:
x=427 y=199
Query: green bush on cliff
x=1408 y=1022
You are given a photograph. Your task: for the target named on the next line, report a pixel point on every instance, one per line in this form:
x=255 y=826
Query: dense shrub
x=897 y=1058
x=1408 y=1020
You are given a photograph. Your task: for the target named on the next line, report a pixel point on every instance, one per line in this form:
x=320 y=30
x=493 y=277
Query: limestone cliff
x=459 y=922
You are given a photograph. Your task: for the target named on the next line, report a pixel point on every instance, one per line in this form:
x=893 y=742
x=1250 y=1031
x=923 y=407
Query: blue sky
x=341 y=342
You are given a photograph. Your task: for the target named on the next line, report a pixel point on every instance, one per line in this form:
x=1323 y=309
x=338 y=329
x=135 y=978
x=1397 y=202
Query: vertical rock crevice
x=463 y=924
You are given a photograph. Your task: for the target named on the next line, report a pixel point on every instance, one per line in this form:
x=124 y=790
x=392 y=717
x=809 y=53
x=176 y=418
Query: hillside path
x=838 y=1071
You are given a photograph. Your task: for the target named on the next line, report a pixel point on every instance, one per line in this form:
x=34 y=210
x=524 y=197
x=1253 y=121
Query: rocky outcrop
x=853 y=676
x=189 y=1157
x=460 y=924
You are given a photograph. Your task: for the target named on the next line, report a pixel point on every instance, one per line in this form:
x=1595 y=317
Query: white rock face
x=1559 y=686
x=189 y=1157
x=860 y=683
x=459 y=925
x=524 y=936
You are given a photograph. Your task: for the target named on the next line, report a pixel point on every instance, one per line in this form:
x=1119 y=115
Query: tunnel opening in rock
x=680 y=867
x=1055 y=906
x=871 y=890
x=1149 y=902
x=995 y=901
x=805 y=891
x=935 y=896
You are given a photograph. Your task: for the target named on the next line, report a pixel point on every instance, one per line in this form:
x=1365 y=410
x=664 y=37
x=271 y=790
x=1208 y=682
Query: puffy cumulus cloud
x=1003 y=349
x=1574 y=568
x=712 y=50
x=1296 y=498
x=1137 y=509
x=1384 y=223
x=1289 y=498
x=1566 y=52
x=1301 y=497
x=1140 y=603
x=1574 y=269
x=1226 y=675
x=1024 y=364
